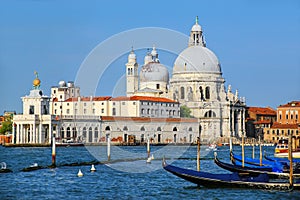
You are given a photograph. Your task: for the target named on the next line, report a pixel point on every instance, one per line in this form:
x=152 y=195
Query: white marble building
x=196 y=82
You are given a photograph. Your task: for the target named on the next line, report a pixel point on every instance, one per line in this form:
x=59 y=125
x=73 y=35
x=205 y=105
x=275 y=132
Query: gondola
x=250 y=162
x=255 y=170
x=234 y=180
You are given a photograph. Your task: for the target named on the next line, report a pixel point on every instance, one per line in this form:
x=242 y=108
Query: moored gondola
x=254 y=170
x=234 y=180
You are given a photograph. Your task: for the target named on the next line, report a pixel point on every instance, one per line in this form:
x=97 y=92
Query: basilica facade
x=196 y=82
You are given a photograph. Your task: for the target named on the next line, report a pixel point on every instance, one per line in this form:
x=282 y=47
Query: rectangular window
x=55 y=111
x=157 y=86
x=102 y=110
x=133 y=103
x=75 y=111
x=31 y=110
x=68 y=111
x=114 y=111
x=84 y=111
x=84 y=104
x=123 y=103
x=93 y=111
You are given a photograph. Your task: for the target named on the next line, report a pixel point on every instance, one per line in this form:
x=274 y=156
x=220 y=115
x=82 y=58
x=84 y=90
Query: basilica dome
x=154 y=71
x=197 y=59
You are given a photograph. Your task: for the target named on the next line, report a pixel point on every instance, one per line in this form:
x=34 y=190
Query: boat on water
x=281 y=149
x=253 y=170
x=69 y=144
x=252 y=162
x=234 y=180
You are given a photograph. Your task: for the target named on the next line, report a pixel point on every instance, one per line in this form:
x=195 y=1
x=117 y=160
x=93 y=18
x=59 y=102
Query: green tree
x=6 y=127
x=185 y=112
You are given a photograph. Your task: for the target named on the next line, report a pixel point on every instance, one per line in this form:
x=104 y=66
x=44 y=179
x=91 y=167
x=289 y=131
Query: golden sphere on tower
x=36 y=82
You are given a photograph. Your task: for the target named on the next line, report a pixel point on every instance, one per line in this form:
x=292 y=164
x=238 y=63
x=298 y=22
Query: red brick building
x=287 y=123
x=258 y=118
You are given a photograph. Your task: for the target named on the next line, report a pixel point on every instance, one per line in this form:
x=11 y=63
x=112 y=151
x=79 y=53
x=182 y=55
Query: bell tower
x=196 y=37
x=131 y=74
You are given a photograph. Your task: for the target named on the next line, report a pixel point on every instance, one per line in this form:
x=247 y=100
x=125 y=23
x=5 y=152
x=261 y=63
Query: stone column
x=30 y=133
x=40 y=133
x=34 y=133
x=21 y=133
x=17 y=134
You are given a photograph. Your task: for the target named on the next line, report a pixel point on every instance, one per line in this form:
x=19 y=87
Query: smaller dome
x=154 y=72
x=196 y=27
x=132 y=55
x=62 y=84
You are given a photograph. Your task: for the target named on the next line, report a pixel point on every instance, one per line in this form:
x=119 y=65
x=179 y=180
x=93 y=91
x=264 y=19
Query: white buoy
x=93 y=169
x=152 y=157
x=148 y=160
x=79 y=173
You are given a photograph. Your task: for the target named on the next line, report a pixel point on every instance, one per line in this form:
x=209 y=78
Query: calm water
x=125 y=180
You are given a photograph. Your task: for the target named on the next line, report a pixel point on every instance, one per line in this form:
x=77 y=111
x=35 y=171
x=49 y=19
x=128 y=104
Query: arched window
x=182 y=93
x=201 y=93
x=158 y=129
x=143 y=111
x=210 y=114
x=62 y=132
x=107 y=128
x=125 y=128
x=68 y=132
x=207 y=93
x=96 y=132
x=174 y=129
x=84 y=132
x=143 y=128
x=74 y=132
x=190 y=129
x=90 y=134
x=114 y=111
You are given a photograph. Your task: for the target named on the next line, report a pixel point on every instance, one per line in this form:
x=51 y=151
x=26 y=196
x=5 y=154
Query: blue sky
x=257 y=42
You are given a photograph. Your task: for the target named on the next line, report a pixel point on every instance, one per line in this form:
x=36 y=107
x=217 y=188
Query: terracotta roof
x=148 y=119
x=291 y=104
x=123 y=98
x=144 y=98
x=285 y=126
x=262 y=111
x=105 y=98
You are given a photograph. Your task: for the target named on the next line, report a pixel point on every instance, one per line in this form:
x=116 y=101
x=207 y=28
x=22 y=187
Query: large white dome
x=197 y=59
x=154 y=71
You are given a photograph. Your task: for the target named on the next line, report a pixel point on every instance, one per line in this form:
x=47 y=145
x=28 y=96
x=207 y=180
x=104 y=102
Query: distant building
x=258 y=118
x=287 y=123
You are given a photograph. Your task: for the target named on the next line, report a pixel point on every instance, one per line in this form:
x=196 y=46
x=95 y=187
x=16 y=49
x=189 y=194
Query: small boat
x=32 y=167
x=69 y=144
x=281 y=150
x=254 y=170
x=234 y=180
